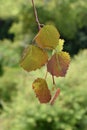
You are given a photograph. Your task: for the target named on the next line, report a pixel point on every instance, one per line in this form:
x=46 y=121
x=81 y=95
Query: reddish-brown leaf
x=41 y=90
x=58 y=64
x=55 y=96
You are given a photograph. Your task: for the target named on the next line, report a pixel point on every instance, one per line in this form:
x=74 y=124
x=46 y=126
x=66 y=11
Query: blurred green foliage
x=9 y=53
x=19 y=109
x=68 y=113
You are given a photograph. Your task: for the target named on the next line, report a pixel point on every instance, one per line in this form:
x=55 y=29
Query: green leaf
x=48 y=37
x=33 y=58
x=60 y=45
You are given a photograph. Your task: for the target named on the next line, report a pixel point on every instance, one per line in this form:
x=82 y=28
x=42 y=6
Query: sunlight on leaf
x=41 y=89
x=48 y=37
x=33 y=58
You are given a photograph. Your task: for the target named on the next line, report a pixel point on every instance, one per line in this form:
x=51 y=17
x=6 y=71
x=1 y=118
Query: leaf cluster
x=35 y=56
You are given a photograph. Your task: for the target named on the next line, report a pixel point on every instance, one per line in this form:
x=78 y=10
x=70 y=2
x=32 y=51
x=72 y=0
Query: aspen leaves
x=47 y=37
x=35 y=56
x=41 y=89
x=58 y=64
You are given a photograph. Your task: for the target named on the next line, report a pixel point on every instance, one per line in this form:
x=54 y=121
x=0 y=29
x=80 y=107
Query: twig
x=46 y=75
x=36 y=16
x=53 y=80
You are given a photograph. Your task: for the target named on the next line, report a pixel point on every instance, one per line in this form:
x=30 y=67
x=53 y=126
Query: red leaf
x=58 y=64
x=55 y=96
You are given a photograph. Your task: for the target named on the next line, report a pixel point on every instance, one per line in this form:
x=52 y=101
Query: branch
x=36 y=16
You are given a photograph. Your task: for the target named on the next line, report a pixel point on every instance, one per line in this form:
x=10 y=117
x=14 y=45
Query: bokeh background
x=19 y=108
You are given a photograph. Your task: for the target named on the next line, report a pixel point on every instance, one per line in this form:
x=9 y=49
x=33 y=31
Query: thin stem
x=36 y=16
x=53 y=80
x=46 y=75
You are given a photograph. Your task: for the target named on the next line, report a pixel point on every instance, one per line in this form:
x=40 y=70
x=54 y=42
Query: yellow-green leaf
x=60 y=45
x=47 y=37
x=41 y=90
x=33 y=58
x=58 y=64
